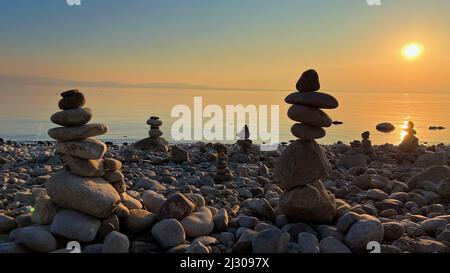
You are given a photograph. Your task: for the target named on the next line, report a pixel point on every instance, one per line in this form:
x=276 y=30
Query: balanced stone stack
x=89 y=187
x=410 y=142
x=223 y=173
x=366 y=144
x=303 y=163
x=408 y=150
x=245 y=142
x=155 y=142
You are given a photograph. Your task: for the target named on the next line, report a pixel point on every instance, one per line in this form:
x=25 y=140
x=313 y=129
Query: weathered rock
x=221 y=220
x=84 y=167
x=309 y=81
x=150 y=184
x=301 y=163
x=309 y=115
x=245 y=241
x=44 y=211
x=385 y=127
x=444 y=188
x=332 y=245
x=72 y=117
x=311 y=203
x=314 y=99
x=72 y=100
x=12 y=247
x=434 y=174
x=116 y=242
x=179 y=155
x=112 y=165
x=130 y=202
x=198 y=223
x=393 y=231
x=168 y=233
x=431 y=159
x=263 y=208
x=140 y=221
x=176 y=206
x=75 y=225
x=270 y=240
x=37 y=238
x=7 y=223
x=93 y=196
x=363 y=231
x=152 y=200
x=307 y=132
x=431 y=225
x=352 y=160
x=77 y=132
x=421 y=245
x=85 y=149
x=307 y=243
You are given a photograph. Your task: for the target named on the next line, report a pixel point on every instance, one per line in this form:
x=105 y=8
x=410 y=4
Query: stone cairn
x=223 y=173
x=245 y=142
x=366 y=144
x=90 y=187
x=155 y=142
x=409 y=147
x=303 y=163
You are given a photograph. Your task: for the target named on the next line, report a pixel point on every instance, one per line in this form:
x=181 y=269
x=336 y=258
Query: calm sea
x=25 y=111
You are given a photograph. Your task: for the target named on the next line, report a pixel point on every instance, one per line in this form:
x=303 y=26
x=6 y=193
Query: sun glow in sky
x=412 y=51
x=230 y=43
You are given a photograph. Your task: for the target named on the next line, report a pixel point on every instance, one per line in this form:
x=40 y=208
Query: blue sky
x=248 y=43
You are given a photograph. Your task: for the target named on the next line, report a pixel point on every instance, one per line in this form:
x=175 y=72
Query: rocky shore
x=181 y=207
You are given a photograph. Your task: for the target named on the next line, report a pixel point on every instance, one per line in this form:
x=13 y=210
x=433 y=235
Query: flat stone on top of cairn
x=303 y=163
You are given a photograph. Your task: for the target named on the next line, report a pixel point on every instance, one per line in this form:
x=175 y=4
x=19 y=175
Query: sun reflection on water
x=403 y=133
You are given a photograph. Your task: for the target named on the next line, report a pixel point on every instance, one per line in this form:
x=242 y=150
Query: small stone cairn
x=408 y=150
x=366 y=144
x=223 y=173
x=155 y=142
x=303 y=163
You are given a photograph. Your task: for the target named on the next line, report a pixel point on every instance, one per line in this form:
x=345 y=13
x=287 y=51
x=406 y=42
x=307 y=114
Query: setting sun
x=412 y=51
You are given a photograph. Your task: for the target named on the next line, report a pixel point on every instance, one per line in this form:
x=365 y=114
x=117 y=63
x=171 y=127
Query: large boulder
x=301 y=163
x=364 y=231
x=431 y=159
x=75 y=225
x=434 y=174
x=94 y=196
x=271 y=240
x=176 y=206
x=36 y=238
x=198 y=223
x=311 y=203
x=168 y=233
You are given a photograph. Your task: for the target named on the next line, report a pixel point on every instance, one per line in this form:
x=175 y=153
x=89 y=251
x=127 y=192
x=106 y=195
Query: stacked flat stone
x=303 y=163
x=366 y=144
x=155 y=142
x=223 y=173
x=89 y=184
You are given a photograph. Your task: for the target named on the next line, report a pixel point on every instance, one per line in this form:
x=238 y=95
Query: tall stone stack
x=303 y=163
x=88 y=188
x=245 y=142
x=155 y=142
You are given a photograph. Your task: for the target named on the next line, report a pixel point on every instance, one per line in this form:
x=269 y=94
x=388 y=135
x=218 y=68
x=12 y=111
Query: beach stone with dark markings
x=84 y=149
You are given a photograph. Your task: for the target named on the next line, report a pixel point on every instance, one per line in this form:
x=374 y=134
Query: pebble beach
x=156 y=197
